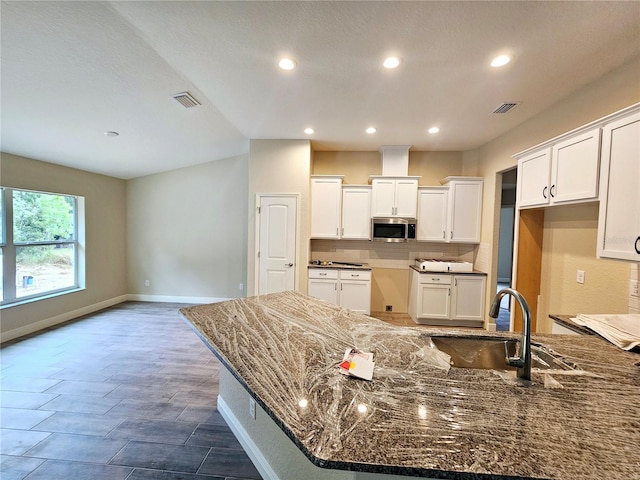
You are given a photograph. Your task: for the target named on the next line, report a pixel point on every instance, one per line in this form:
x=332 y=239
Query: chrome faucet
x=523 y=362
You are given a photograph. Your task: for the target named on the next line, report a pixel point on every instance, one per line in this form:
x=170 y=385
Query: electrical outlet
x=633 y=288
x=389 y=308
x=147 y=283
x=580 y=276
x=252 y=408
x=241 y=287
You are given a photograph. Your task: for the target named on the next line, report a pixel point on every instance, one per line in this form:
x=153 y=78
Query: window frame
x=9 y=249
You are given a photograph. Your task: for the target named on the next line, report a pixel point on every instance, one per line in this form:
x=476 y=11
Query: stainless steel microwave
x=393 y=229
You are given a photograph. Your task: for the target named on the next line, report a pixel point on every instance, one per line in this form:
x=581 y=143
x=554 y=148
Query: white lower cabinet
x=467 y=299
x=447 y=299
x=346 y=288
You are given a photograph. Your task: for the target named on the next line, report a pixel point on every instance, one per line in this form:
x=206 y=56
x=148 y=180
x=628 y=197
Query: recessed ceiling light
x=500 y=61
x=371 y=130
x=111 y=134
x=287 y=63
x=391 y=62
x=309 y=131
x=434 y=130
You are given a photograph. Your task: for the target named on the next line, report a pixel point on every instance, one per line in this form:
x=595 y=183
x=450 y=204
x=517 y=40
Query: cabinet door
x=533 y=178
x=383 y=193
x=575 y=168
x=326 y=290
x=406 y=198
x=433 y=301
x=356 y=213
x=326 y=203
x=465 y=211
x=432 y=214
x=468 y=297
x=356 y=295
x=619 y=219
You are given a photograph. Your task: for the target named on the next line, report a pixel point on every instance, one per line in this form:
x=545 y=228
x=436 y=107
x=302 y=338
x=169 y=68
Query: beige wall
x=569 y=245
x=610 y=93
x=279 y=166
x=187 y=232
x=105 y=234
x=357 y=167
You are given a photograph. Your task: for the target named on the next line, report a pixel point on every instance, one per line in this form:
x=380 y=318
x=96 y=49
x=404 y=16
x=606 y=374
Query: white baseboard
x=249 y=446
x=63 y=317
x=174 y=299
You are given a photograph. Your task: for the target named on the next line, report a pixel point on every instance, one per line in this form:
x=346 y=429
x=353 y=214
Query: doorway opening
x=505 y=244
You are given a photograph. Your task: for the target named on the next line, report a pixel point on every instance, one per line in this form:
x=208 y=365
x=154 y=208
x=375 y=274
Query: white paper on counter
x=621 y=330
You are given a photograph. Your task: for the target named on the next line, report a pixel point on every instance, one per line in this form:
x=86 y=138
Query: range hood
x=395 y=160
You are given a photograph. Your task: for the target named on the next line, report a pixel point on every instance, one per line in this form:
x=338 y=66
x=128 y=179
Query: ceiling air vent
x=506 y=107
x=186 y=100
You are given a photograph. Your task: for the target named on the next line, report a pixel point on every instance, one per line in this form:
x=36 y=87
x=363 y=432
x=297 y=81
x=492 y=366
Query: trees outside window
x=39 y=244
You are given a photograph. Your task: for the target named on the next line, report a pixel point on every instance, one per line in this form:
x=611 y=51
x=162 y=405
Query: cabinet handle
x=451 y=237
x=456 y=282
x=551 y=191
x=636 y=246
x=355 y=275
x=443 y=232
x=343 y=231
x=337 y=232
x=449 y=291
x=323 y=274
x=544 y=192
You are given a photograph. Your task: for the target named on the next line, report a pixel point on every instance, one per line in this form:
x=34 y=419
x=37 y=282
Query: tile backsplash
x=388 y=255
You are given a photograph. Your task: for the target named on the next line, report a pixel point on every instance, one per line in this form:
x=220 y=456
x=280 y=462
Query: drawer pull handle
x=636 y=245
x=324 y=274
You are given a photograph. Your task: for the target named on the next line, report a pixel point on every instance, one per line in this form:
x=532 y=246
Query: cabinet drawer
x=323 y=273
x=355 y=275
x=435 y=278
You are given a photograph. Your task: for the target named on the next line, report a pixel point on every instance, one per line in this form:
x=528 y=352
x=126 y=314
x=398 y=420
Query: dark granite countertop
x=565 y=320
x=416 y=419
x=339 y=266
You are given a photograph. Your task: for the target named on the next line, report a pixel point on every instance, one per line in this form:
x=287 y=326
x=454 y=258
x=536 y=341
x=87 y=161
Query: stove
x=442 y=265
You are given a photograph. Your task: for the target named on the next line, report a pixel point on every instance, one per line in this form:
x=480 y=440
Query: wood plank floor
x=126 y=393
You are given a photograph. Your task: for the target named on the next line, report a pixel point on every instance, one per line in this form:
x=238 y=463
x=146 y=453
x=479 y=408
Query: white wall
x=187 y=232
x=105 y=232
x=280 y=166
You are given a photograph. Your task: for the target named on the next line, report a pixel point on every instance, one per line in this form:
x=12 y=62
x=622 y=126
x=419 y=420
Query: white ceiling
x=73 y=70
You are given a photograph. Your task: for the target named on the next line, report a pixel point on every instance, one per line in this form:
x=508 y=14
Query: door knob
x=288 y=264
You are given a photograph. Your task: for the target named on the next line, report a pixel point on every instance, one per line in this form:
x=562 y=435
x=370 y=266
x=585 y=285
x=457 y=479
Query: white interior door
x=277 y=243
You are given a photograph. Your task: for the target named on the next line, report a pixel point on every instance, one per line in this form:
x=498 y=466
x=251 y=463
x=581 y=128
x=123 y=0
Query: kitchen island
x=417 y=417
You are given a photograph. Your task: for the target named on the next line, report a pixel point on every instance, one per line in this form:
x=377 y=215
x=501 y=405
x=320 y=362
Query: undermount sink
x=491 y=352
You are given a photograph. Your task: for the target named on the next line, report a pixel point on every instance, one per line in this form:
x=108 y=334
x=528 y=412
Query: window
x=40 y=244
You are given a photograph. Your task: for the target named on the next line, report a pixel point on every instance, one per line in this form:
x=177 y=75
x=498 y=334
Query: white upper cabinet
x=394 y=196
x=464 y=209
x=575 y=166
x=533 y=178
x=326 y=206
x=619 y=217
x=356 y=212
x=451 y=213
x=565 y=170
x=432 y=214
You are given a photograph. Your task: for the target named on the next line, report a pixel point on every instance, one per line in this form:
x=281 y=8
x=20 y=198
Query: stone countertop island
x=417 y=417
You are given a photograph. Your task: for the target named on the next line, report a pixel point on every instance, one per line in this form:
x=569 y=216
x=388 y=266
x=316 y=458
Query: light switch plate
x=580 y=276
x=633 y=288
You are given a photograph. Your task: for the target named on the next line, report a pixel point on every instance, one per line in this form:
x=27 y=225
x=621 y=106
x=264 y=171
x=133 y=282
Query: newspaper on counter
x=621 y=330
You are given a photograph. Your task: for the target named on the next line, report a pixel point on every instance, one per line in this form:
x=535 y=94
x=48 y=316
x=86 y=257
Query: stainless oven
x=393 y=229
